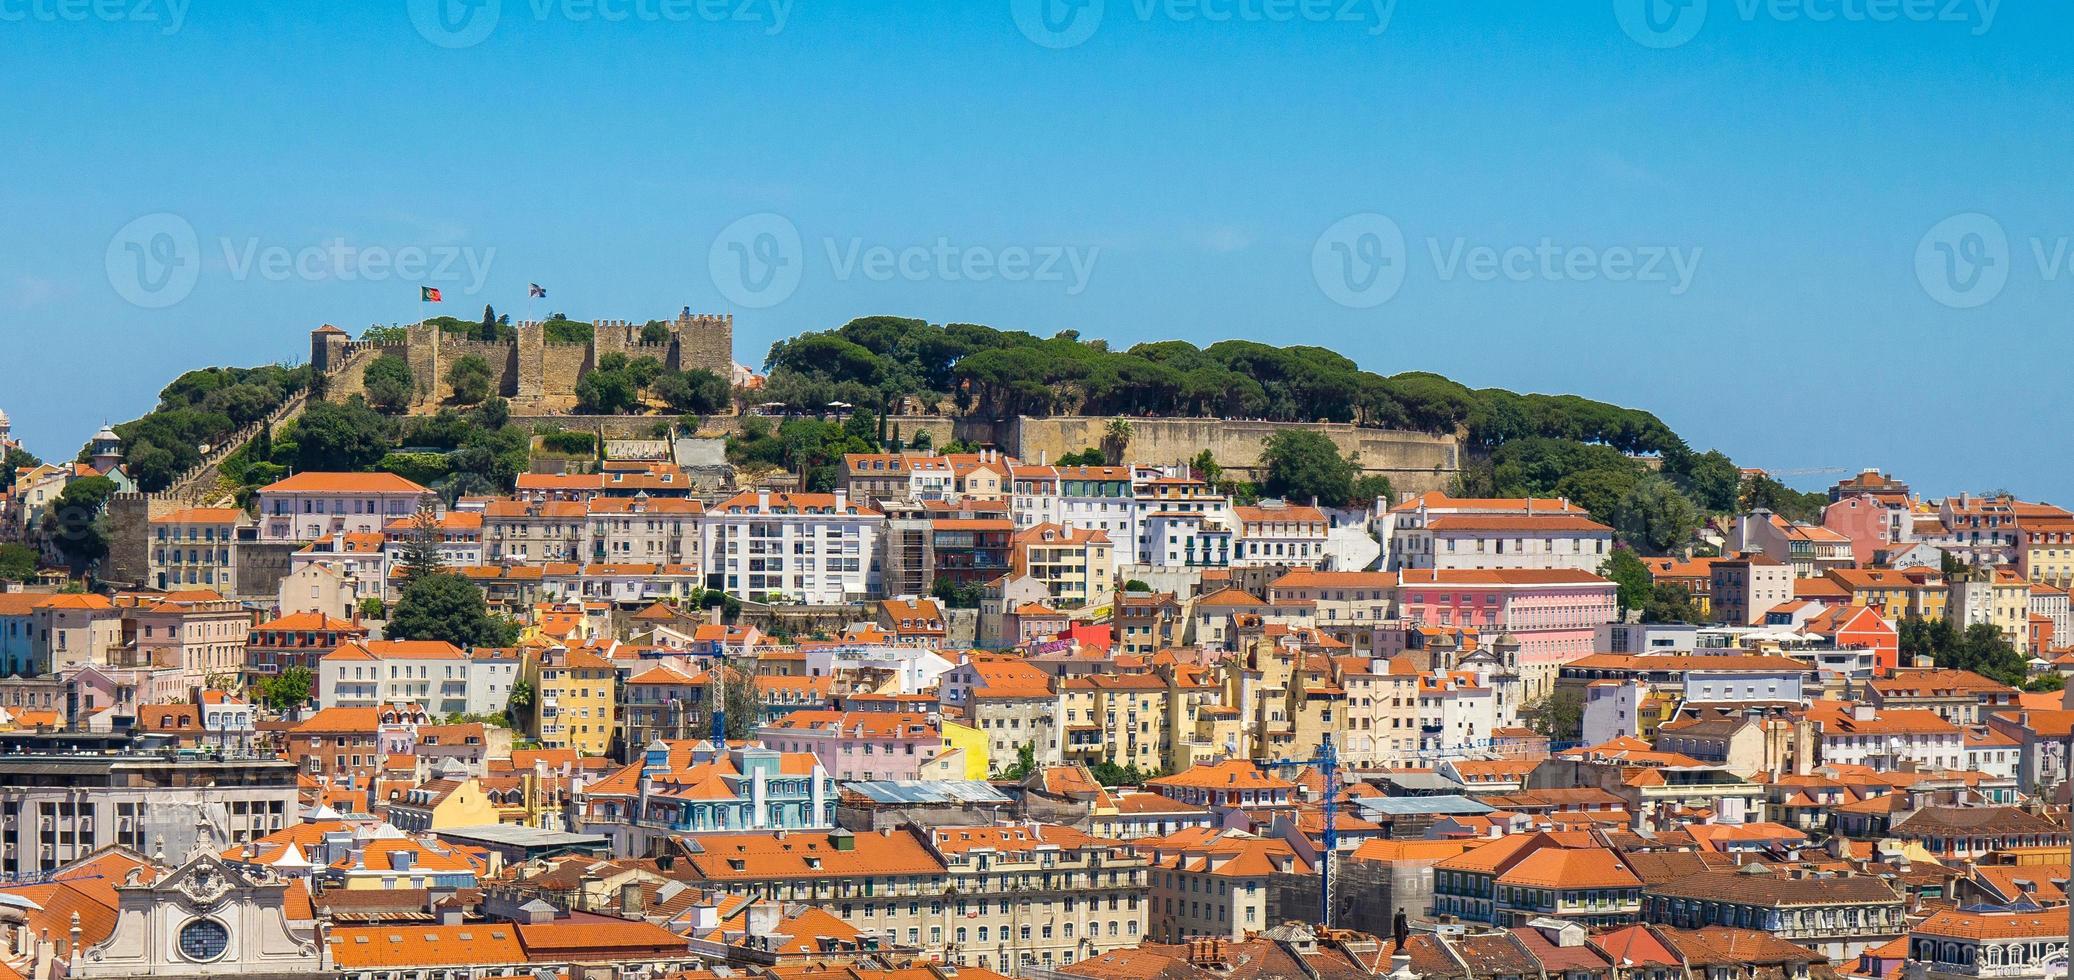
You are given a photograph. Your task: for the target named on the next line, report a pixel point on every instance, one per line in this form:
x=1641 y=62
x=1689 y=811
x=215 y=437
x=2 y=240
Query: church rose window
x=203 y=940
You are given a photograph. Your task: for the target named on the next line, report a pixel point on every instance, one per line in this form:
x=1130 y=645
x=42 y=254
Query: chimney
x=842 y=501
x=630 y=904
x=763 y=500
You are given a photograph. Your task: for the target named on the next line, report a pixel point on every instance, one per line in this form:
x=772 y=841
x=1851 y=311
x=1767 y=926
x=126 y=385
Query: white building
x=812 y=548
x=308 y=506
x=914 y=668
x=436 y=676
x=1440 y=532
x=1612 y=709
x=1279 y=533
x=1861 y=735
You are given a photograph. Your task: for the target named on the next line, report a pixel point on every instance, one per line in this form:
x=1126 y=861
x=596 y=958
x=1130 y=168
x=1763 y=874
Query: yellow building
x=1288 y=694
x=1119 y=718
x=2046 y=551
x=1200 y=725
x=451 y=799
x=573 y=704
x=1887 y=591
x=971 y=746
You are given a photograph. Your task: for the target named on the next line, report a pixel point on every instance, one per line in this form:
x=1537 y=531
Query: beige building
x=1119 y=718
x=1076 y=566
x=1996 y=596
x=199 y=632
x=195 y=548
x=643 y=530
x=1747 y=587
x=1207 y=882
x=1348 y=606
x=534 y=531
x=984 y=896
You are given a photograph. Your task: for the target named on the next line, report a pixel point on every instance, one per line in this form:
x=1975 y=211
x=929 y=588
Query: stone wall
x=1414 y=461
x=536 y=375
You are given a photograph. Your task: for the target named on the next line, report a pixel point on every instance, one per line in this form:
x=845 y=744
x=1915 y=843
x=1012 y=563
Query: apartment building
x=308 y=506
x=1748 y=586
x=199 y=632
x=1210 y=882
x=435 y=675
x=937 y=890
x=195 y=548
x=1279 y=533
x=808 y=548
x=574 y=702
x=534 y=531
x=1076 y=566
x=643 y=530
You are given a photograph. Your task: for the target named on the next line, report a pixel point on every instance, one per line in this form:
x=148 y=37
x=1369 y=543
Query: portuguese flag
x=427 y=294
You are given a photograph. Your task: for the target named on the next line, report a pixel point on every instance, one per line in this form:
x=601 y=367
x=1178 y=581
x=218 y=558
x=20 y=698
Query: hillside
x=1623 y=464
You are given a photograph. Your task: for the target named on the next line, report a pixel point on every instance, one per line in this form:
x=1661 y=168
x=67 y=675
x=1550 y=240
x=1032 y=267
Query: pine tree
x=421 y=549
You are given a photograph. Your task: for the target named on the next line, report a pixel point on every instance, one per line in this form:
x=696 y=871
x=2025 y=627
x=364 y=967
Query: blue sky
x=1722 y=224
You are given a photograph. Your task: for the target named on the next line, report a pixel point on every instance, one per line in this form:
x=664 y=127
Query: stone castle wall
x=537 y=375
x=1414 y=461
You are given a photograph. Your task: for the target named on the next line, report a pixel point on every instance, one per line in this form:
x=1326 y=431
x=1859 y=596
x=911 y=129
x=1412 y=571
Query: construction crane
x=1327 y=760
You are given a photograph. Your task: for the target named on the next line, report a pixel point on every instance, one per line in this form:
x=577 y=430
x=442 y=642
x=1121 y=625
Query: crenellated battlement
x=536 y=374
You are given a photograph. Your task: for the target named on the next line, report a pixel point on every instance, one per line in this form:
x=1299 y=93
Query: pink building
x=861 y=744
x=1554 y=613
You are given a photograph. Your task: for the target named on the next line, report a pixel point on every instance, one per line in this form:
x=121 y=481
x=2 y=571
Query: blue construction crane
x=1327 y=760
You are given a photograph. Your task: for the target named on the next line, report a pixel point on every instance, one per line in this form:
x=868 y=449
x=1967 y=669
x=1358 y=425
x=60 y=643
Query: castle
x=536 y=374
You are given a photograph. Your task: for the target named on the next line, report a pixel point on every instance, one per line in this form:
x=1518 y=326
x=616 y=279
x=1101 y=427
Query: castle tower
x=328 y=348
x=6 y=429
x=703 y=340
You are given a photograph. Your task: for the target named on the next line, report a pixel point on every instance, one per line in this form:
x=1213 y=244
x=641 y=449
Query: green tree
x=1025 y=763
x=14 y=460
x=469 y=378
x=1713 y=480
x=608 y=392
x=445 y=606
x=1085 y=457
x=420 y=555
x=518 y=706
x=17 y=563
x=73 y=522
x=1560 y=715
x=697 y=391
x=389 y=383
x=1116 y=440
x=289 y=689
x=1303 y=465
x=1631 y=576
x=1669 y=603
x=957 y=596
x=332 y=438
x=1764 y=492
x=1371 y=487
x=738 y=698
x=1654 y=517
